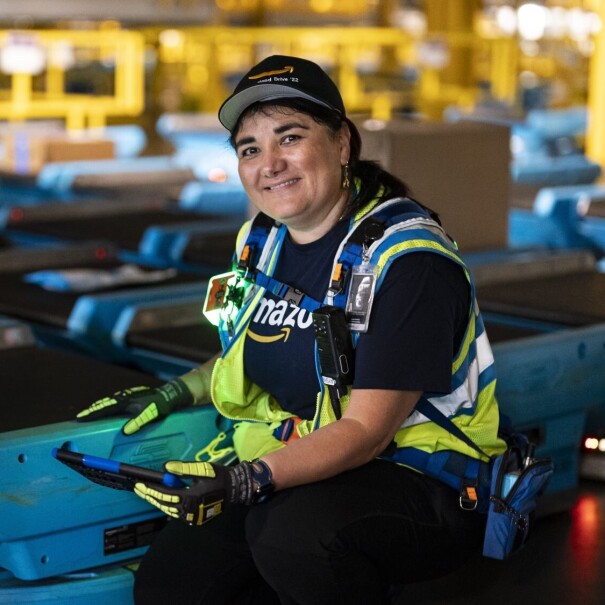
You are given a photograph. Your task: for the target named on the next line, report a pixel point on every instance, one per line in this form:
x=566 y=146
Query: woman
x=338 y=516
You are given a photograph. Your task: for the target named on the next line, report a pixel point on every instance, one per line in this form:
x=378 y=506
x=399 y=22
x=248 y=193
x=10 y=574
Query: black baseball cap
x=279 y=77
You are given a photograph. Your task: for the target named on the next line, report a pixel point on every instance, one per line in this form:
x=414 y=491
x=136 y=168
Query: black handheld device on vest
x=335 y=348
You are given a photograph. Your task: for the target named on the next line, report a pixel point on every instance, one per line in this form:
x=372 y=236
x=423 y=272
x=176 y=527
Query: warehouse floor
x=563 y=563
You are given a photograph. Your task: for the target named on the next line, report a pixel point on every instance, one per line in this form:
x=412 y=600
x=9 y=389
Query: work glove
x=211 y=488
x=144 y=403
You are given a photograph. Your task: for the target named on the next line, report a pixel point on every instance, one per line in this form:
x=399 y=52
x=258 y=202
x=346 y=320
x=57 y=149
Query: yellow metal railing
x=40 y=92
x=212 y=57
x=368 y=63
x=378 y=69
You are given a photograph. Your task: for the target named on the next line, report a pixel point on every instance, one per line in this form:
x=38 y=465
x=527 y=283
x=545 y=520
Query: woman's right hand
x=144 y=403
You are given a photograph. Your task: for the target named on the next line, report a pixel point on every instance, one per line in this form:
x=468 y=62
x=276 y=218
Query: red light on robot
x=17 y=214
x=100 y=253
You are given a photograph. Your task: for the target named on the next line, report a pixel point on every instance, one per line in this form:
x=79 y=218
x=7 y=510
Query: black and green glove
x=213 y=487
x=144 y=403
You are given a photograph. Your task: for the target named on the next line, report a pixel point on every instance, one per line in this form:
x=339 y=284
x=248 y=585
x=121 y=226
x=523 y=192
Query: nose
x=274 y=163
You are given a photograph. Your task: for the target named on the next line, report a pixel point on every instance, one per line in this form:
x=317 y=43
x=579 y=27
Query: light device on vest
x=224 y=297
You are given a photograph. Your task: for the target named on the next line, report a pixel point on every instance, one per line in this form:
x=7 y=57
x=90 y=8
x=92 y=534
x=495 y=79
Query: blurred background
x=63 y=59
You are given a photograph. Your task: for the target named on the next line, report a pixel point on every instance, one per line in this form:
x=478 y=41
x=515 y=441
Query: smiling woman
x=291 y=167
x=337 y=255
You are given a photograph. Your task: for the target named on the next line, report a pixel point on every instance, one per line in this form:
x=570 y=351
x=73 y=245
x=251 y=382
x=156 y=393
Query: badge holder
x=361 y=297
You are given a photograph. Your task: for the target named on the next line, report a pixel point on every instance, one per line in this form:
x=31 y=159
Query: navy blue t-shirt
x=417 y=322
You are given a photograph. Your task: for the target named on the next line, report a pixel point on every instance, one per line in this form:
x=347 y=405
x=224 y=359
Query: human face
x=291 y=169
x=363 y=293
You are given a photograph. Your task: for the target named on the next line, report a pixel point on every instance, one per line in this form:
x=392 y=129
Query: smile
x=281 y=185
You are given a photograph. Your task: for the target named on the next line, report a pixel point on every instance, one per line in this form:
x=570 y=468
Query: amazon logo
x=283 y=333
x=283 y=316
x=288 y=69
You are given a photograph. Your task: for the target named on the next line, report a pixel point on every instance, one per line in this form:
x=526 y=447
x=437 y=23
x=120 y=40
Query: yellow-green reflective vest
x=471 y=404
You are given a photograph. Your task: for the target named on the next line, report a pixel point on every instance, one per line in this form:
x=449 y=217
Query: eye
x=248 y=152
x=291 y=138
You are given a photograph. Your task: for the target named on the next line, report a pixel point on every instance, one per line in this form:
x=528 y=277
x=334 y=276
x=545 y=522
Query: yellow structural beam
x=454 y=17
x=451 y=24
x=370 y=64
x=43 y=95
x=211 y=55
x=595 y=134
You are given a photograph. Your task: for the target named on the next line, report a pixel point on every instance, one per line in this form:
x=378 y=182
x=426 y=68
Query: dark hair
x=372 y=179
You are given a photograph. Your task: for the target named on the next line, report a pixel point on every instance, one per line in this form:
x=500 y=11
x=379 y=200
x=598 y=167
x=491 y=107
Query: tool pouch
x=516 y=485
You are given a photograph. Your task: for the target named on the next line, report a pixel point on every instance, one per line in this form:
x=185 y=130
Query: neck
x=303 y=234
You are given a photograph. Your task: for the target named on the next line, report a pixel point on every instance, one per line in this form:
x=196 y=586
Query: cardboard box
x=460 y=170
x=26 y=152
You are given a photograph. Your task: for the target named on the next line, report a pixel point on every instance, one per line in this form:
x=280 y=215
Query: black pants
x=345 y=541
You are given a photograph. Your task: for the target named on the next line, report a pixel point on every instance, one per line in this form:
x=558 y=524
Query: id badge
x=361 y=297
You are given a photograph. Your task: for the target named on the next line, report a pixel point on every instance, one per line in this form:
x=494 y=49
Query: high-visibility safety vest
x=378 y=234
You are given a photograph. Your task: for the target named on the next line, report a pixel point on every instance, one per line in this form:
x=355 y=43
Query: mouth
x=282 y=185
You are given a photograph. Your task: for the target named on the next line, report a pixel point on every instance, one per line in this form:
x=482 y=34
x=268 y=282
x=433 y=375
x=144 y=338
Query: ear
x=344 y=138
